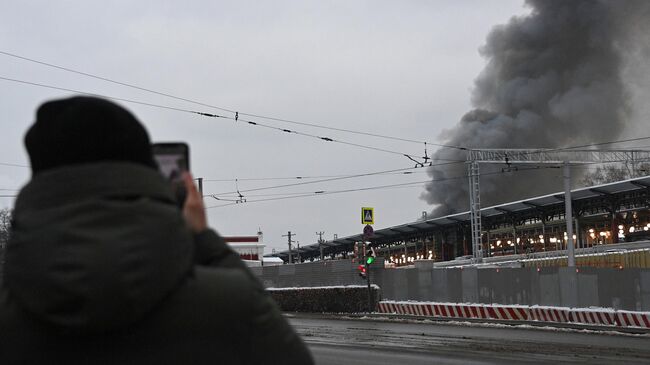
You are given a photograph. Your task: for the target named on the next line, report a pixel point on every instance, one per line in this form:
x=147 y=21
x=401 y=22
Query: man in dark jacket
x=102 y=267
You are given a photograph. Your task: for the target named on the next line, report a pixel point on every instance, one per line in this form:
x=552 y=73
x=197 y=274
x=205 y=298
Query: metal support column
x=475 y=209
x=568 y=215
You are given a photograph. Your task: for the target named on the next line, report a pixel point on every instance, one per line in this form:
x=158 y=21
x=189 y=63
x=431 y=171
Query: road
x=371 y=341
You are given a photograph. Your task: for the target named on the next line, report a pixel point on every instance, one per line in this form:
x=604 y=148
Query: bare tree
x=611 y=173
x=5 y=225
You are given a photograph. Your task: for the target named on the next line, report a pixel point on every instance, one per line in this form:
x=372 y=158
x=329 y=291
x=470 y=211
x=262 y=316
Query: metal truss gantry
x=565 y=157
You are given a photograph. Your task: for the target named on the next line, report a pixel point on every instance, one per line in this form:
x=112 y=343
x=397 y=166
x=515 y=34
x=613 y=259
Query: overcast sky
x=397 y=68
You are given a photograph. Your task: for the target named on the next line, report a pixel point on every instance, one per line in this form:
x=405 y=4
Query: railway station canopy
x=621 y=196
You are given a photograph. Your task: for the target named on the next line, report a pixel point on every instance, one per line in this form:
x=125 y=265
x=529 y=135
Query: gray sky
x=401 y=68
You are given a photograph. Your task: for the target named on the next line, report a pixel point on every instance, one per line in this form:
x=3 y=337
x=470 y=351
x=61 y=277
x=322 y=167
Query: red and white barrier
x=550 y=314
x=633 y=319
x=598 y=316
x=477 y=311
x=586 y=316
x=508 y=312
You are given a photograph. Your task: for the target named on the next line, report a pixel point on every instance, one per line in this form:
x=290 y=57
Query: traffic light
x=362 y=271
x=371 y=256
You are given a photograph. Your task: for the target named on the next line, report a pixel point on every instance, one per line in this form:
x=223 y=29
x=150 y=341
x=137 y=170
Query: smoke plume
x=553 y=78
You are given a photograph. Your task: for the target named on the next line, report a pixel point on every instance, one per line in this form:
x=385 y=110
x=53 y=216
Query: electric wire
x=210 y=115
x=321 y=193
x=229 y=110
x=306 y=177
x=325 y=192
x=12 y=164
x=332 y=179
x=569 y=148
x=95 y=94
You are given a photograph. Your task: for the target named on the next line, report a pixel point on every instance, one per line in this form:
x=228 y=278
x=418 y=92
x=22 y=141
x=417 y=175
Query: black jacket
x=100 y=269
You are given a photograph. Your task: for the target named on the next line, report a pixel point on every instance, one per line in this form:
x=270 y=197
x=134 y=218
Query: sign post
x=368 y=218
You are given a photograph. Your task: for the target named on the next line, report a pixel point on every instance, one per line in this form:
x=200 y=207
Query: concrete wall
x=627 y=289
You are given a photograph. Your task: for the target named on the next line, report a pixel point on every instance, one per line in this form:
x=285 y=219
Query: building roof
x=241 y=239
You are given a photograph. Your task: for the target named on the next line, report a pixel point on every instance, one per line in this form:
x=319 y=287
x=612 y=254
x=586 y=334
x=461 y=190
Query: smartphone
x=173 y=158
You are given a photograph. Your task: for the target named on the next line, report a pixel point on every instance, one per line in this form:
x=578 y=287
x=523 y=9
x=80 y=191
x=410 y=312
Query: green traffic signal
x=370 y=260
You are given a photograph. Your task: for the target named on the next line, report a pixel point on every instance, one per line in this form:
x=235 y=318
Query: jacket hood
x=95 y=247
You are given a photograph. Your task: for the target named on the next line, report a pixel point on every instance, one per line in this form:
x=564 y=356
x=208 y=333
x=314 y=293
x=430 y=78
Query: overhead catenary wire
x=255 y=123
x=325 y=192
x=229 y=110
x=326 y=176
x=305 y=177
x=332 y=179
x=372 y=174
x=237 y=113
x=321 y=193
x=569 y=148
x=12 y=164
x=211 y=115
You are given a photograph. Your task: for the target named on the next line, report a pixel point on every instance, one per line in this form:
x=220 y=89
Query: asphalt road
x=335 y=340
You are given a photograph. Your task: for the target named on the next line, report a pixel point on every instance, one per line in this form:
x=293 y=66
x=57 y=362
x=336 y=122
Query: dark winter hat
x=85 y=129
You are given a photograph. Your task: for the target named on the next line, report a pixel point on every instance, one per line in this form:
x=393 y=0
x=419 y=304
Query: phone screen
x=173 y=159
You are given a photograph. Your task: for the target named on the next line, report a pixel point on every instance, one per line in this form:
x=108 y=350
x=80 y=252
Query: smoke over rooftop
x=553 y=78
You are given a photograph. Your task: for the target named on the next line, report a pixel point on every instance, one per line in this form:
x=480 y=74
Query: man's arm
x=209 y=248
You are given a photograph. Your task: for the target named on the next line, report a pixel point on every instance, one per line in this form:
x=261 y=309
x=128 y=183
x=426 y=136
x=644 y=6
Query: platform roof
x=520 y=206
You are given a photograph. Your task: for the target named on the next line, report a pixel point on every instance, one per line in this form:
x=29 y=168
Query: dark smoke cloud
x=553 y=78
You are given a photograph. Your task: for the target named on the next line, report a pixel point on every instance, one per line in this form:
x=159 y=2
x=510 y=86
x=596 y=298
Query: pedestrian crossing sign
x=367 y=215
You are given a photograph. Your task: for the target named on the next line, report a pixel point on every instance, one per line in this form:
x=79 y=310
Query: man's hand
x=193 y=209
